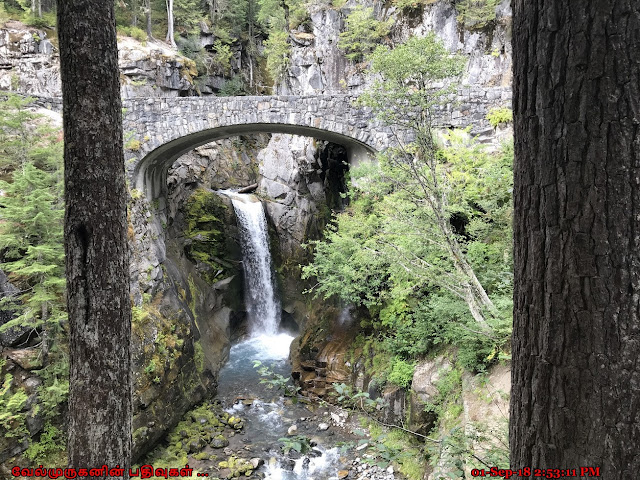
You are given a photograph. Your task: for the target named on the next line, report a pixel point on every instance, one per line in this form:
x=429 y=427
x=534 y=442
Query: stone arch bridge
x=159 y=130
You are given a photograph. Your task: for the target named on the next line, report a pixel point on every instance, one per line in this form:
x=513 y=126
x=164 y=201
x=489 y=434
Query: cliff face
x=29 y=64
x=317 y=65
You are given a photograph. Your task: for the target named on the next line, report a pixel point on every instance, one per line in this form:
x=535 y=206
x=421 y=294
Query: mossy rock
x=202 y=456
x=205 y=229
x=196 y=444
x=235 y=422
x=237 y=467
x=219 y=441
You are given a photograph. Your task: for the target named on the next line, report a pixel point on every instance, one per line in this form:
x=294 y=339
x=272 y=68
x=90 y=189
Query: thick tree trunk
x=97 y=262
x=575 y=399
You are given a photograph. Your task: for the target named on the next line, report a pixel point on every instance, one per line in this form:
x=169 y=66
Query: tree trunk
x=97 y=262
x=575 y=399
x=148 y=17
x=170 y=38
x=285 y=7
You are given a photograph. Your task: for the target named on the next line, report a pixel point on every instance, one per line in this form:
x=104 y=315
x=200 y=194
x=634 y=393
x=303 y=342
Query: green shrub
x=410 y=4
x=189 y=46
x=133 y=32
x=476 y=14
x=362 y=33
x=12 y=420
x=52 y=442
x=222 y=56
x=233 y=87
x=401 y=372
x=497 y=116
x=4 y=15
x=299 y=443
x=446 y=403
x=47 y=20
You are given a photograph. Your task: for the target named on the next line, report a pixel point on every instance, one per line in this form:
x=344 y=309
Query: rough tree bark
x=575 y=397
x=97 y=262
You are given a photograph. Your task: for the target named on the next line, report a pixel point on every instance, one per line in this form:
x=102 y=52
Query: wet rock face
x=294 y=189
x=301 y=181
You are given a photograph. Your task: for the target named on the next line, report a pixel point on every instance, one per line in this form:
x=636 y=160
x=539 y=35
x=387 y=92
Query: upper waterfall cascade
x=260 y=295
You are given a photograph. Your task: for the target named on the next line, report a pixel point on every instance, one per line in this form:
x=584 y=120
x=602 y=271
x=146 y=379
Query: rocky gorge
x=186 y=269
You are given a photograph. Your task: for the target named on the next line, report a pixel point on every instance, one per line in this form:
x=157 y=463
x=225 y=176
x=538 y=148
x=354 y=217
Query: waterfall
x=262 y=304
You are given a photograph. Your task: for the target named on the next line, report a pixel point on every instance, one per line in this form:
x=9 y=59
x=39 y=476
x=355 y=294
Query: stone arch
x=149 y=174
x=165 y=128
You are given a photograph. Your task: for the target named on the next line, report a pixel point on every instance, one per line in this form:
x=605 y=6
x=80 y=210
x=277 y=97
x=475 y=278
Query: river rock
x=197 y=444
x=219 y=441
x=323 y=426
x=292 y=430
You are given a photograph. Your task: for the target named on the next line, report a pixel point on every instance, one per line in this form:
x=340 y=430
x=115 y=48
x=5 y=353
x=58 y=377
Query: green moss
x=411 y=463
x=399 y=447
x=197 y=428
x=447 y=404
x=238 y=466
x=150 y=369
x=205 y=229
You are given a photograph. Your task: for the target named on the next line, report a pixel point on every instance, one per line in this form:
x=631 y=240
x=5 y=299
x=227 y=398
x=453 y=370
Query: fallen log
x=248 y=188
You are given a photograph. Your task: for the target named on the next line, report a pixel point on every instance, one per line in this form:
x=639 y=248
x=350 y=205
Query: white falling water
x=260 y=298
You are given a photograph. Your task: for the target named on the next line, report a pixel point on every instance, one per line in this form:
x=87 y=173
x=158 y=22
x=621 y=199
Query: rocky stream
x=258 y=421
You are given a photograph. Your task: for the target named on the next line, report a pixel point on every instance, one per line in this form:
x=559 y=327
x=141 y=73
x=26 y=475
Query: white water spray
x=260 y=298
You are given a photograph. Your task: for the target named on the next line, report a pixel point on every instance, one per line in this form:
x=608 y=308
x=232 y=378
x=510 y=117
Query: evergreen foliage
x=32 y=248
x=31 y=237
x=476 y=14
x=362 y=33
x=278 y=50
x=277 y=18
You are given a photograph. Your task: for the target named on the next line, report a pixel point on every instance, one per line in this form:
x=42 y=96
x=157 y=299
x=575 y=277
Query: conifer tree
x=31 y=233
